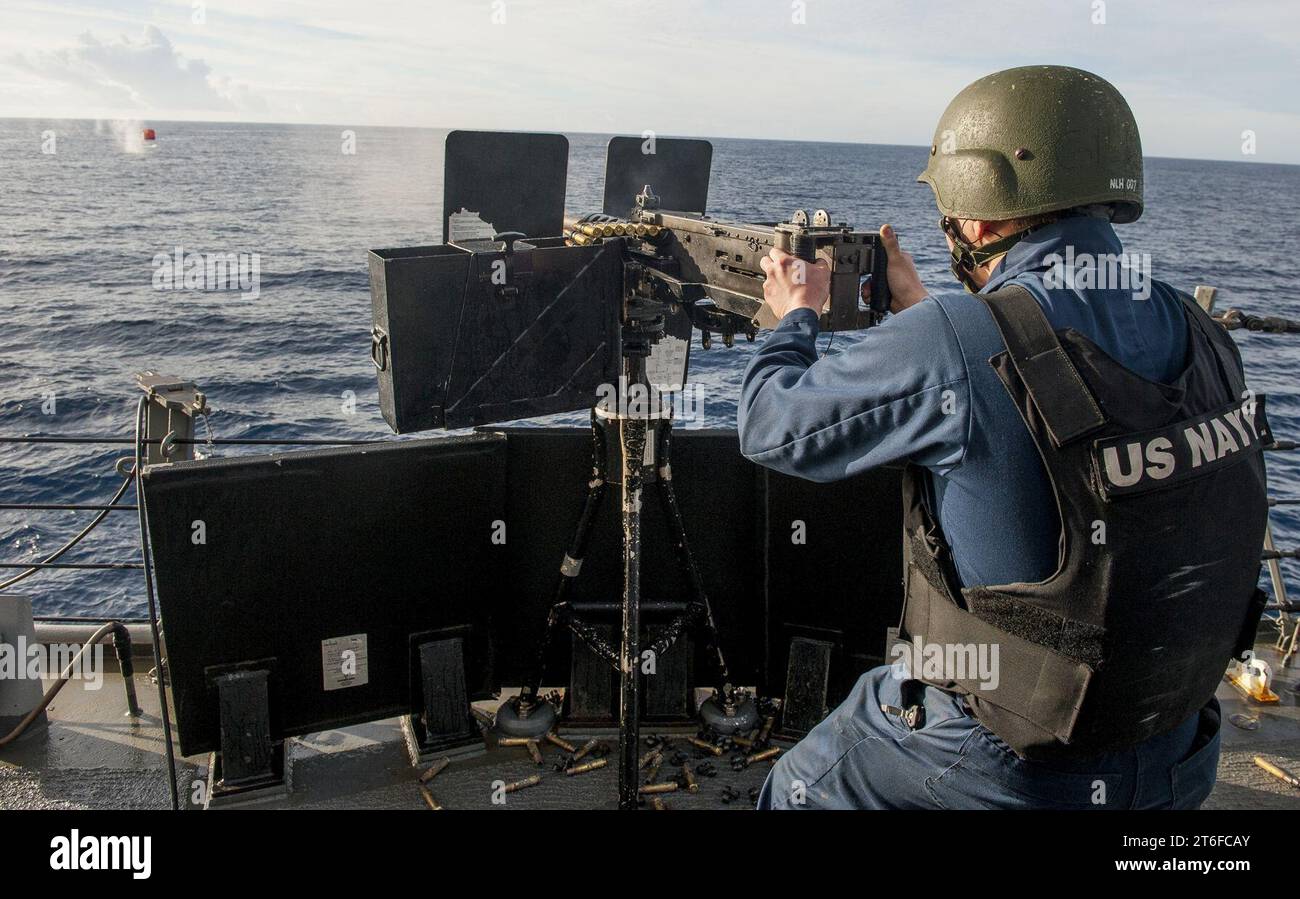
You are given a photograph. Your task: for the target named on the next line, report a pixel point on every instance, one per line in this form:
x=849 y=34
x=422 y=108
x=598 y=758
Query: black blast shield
x=456 y=348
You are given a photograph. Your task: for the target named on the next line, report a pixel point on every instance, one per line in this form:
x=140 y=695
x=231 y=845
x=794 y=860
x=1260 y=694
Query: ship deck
x=90 y=755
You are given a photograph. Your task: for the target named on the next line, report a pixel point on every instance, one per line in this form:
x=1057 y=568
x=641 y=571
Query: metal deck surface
x=91 y=755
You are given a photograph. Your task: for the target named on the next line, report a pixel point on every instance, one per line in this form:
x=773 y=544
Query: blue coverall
x=919 y=388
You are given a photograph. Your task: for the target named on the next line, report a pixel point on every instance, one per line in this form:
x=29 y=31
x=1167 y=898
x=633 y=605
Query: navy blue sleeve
x=898 y=393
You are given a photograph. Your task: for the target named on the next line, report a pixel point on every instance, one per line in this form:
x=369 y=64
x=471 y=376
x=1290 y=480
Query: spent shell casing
x=766 y=730
x=689 y=775
x=649 y=757
x=707 y=747
x=586 y=748
x=658 y=804
x=524 y=784
x=555 y=738
x=669 y=786
x=535 y=752
x=434 y=770
x=592 y=765
x=429 y=800
x=763 y=756
x=514 y=741
x=1280 y=773
x=743 y=741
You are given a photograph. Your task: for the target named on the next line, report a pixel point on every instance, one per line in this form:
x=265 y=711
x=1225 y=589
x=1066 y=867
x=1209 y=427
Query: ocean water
x=79 y=314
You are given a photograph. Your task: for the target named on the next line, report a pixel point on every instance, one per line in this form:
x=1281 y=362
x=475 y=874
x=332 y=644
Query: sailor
x=1084 y=494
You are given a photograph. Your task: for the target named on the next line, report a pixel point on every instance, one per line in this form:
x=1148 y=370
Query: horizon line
x=789 y=140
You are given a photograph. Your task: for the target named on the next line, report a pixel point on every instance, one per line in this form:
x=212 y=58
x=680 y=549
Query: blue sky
x=1198 y=74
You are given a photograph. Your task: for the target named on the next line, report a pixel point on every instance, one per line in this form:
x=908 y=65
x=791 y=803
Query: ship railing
x=1288 y=626
x=164 y=432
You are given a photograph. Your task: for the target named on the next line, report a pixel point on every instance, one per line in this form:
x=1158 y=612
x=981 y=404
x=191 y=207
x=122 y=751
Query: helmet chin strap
x=966 y=256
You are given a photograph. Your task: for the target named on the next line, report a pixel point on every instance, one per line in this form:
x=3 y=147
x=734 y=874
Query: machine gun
x=519 y=314
x=709 y=265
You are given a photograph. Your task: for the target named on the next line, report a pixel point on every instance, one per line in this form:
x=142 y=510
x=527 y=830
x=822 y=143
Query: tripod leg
x=668 y=497
x=633 y=433
x=572 y=564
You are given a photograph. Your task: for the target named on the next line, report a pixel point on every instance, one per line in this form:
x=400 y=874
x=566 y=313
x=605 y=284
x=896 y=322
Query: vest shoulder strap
x=1063 y=400
x=1225 y=350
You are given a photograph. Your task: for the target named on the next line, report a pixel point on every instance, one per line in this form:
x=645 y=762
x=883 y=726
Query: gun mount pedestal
x=637 y=427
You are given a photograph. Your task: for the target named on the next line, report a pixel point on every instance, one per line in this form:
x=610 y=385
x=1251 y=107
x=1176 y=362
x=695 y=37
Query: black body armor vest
x=1161 y=495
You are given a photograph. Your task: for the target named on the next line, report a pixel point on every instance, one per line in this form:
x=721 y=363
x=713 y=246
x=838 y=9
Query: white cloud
x=146 y=75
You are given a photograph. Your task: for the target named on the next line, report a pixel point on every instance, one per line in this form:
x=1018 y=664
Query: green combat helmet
x=1033 y=140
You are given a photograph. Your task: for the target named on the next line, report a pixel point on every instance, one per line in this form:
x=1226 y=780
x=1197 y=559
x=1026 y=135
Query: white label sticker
x=466 y=225
x=344 y=661
x=666 y=367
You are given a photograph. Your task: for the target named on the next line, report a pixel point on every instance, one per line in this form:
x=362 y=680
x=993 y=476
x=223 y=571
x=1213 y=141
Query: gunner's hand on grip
x=793 y=283
x=905 y=287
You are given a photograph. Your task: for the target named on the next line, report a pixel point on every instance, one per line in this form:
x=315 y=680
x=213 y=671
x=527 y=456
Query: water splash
x=128 y=134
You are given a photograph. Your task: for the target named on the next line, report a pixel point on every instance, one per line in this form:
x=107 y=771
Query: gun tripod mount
x=635 y=415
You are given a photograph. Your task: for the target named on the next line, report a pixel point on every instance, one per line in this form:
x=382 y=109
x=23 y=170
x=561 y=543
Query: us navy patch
x=1135 y=463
